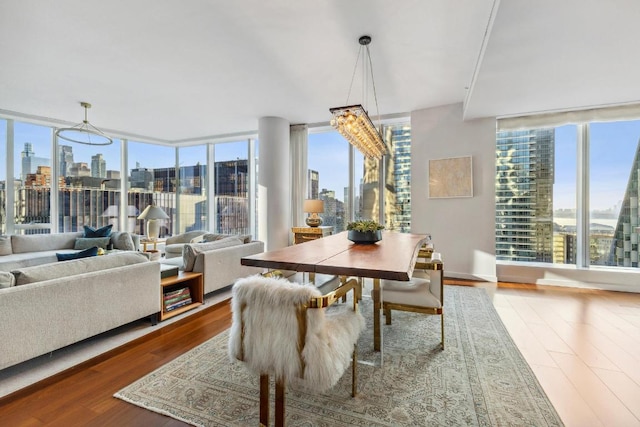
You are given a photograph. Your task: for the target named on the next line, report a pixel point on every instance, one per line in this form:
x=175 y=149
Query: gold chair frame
x=427 y=266
x=301 y=314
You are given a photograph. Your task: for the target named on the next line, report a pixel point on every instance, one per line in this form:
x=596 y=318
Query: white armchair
x=174 y=244
x=417 y=295
x=280 y=328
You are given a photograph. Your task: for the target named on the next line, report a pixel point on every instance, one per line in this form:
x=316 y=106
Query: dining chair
x=288 y=331
x=418 y=295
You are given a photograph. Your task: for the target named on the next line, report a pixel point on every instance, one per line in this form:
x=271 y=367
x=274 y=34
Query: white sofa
x=219 y=262
x=55 y=305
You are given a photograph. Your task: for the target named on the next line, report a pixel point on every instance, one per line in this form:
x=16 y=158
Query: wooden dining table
x=393 y=257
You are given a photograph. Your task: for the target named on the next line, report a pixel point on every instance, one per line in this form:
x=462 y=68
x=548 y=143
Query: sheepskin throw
x=271 y=333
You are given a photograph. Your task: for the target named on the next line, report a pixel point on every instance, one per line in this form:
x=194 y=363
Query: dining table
x=393 y=257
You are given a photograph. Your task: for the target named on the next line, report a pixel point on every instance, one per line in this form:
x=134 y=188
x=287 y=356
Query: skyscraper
x=66 y=159
x=30 y=162
x=98 y=166
x=524 y=195
x=624 y=249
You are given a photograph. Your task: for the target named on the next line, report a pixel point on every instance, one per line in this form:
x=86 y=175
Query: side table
x=184 y=279
x=304 y=234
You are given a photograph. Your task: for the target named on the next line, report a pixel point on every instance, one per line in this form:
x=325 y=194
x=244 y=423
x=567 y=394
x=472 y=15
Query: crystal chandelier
x=353 y=122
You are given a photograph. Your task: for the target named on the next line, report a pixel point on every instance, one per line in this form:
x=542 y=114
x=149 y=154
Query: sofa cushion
x=77 y=255
x=5 y=245
x=191 y=250
x=89 y=242
x=43 y=242
x=6 y=279
x=41 y=273
x=100 y=232
x=212 y=237
x=122 y=240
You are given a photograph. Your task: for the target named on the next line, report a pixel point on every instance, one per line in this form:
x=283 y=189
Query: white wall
x=463 y=229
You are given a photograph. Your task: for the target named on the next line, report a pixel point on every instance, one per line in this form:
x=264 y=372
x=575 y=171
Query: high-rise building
x=98 y=166
x=398 y=191
x=30 y=162
x=624 y=248
x=313 y=184
x=524 y=195
x=65 y=154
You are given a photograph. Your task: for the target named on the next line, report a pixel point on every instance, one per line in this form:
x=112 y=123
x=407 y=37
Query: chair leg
x=354 y=371
x=264 y=400
x=280 y=392
x=442 y=327
x=387 y=315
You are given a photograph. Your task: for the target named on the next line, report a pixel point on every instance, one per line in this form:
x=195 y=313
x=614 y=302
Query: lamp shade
x=313 y=206
x=153 y=212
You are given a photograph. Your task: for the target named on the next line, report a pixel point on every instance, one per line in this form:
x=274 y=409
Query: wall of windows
x=541 y=199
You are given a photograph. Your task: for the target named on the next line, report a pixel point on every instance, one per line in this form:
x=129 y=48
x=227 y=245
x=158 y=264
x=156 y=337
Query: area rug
x=480 y=379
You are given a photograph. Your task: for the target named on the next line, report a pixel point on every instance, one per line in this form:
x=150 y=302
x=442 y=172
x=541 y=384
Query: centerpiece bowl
x=364 y=231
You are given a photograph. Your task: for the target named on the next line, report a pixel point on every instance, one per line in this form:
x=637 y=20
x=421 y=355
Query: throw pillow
x=100 y=232
x=191 y=251
x=211 y=237
x=86 y=243
x=5 y=245
x=122 y=240
x=76 y=255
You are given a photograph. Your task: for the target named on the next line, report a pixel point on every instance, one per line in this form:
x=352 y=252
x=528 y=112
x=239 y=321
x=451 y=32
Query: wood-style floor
x=583 y=345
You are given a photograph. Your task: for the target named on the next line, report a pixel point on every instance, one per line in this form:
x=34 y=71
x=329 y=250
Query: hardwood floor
x=583 y=345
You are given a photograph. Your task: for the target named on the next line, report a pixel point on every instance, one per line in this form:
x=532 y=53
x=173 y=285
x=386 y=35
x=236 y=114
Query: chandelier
x=353 y=122
x=85 y=132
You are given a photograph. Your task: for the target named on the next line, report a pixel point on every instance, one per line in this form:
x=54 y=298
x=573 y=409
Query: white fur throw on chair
x=270 y=345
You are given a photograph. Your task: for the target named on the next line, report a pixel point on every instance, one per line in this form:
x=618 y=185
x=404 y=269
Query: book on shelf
x=175 y=293
x=178 y=304
x=176 y=299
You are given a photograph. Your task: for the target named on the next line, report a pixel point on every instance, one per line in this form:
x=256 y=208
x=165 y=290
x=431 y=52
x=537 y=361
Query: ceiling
x=183 y=71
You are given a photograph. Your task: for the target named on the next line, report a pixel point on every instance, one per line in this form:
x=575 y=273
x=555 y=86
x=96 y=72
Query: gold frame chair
x=435 y=268
x=319 y=302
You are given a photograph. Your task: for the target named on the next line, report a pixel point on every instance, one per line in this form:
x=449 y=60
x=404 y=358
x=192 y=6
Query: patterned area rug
x=481 y=379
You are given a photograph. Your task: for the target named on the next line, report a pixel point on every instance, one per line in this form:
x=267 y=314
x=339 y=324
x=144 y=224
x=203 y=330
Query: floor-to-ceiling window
x=88 y=185
x=328 y=179
x=32 y=168
x=3 y=177
x=614 y=188
x=547 y=179
x=328 y=176
x=192 y=190
x=231 y=187
x=152 y=181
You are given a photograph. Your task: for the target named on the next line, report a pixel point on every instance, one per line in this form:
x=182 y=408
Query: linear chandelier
x=353 y=122
x=85 y=132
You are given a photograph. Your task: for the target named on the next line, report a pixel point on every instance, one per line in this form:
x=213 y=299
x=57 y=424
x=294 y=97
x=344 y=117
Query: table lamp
x=152 y=214
x=313 y=207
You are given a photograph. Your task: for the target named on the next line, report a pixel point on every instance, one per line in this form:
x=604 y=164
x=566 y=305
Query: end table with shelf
x=304 y=234
x=190 y=280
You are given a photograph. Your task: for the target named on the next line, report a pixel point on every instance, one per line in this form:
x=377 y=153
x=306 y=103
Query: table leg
x=377 y=305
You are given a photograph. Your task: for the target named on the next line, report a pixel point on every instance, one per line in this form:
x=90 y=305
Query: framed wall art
x=450 y=178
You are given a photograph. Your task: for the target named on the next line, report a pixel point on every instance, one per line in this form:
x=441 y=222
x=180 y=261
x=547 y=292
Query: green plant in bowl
x=364 y=231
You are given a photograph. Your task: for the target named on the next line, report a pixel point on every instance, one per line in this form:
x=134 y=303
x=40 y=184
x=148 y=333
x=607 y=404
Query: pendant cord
x=353 y=76
x=373 y=83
